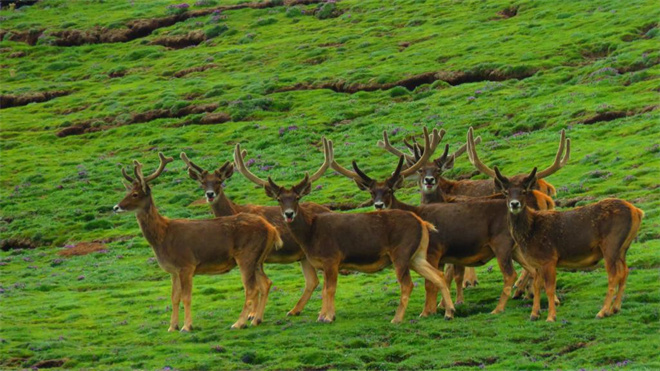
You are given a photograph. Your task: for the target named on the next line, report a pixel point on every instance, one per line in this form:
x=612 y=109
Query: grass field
x=88 y=86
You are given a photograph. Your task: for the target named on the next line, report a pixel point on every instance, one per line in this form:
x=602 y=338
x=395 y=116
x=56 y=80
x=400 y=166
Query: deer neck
x=398 y=205
x=433 y=198
x=521 y=226
x=152 y=224
x=222 y=206
x=301 y=227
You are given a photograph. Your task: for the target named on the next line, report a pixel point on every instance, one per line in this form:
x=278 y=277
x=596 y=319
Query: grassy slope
x=60 y=190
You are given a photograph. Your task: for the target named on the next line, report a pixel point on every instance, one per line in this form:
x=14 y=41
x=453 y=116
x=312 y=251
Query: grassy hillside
x=88 y=86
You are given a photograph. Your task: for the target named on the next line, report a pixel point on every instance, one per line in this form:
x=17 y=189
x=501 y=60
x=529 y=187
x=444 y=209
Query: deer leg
x=449 y=274
x=176 y=301
x=264 y=284
x=536 y=287
x=311 y=282
x=509 y=274
x=330 y=273
x=459 y=275
x=550 y=278
x=431 y=290
x=612 y=281
x=470 y=277
x=403 y=276
x=521 y=284
x=420 y=265
x=623 y=269
x=448 y=277
x=186 y=277
x=248 y=276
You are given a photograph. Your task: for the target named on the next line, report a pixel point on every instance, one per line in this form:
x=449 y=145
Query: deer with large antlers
x=469 y=233
x=211 y=183
x=185 y=248
x=366 y=242
x=577 y=238
x=534 y=199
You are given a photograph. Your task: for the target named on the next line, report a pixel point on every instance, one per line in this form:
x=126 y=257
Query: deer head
x=287 y=198
x=139 y=192
x=431 y=172
x=209 y=181
x=561 y=158
x=515 y=191
x=382 y=193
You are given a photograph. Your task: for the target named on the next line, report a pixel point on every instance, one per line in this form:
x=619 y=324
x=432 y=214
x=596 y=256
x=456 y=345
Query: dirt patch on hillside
x=475 y=362
x=194 y=69
x=183 y=41
x=410 y=83
x=82 y=248
x=17 y=243
x=106 y=123
x=208 y=119
x=49 y=363
x=13 y=100
x=613 y=115
x=134 y=29
x=507 y=12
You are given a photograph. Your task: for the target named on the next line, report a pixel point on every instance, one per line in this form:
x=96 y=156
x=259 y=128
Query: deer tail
x=274 y=238
x=547 y=188
x=636 y=214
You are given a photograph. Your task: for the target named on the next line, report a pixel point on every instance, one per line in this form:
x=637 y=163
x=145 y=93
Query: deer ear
x=226 y=171
x=530 y=180
x=501 y=182
x=362 y=185
x=397 y=184
x=128 y=187
x=193 y=174
x=449 y=164
x=271 y=192
x=306 y=188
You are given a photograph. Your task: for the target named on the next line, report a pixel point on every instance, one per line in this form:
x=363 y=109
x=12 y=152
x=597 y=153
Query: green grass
x=590 y=58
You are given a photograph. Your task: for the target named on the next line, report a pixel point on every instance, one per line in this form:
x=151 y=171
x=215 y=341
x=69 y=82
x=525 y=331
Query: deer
x=435 y=188
x=290 y=252
x=534 y=198
x=575 y=239
x=365 y=242
x=468 y=233
x=185 y=248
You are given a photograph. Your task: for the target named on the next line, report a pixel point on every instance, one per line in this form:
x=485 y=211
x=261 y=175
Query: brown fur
x=221 y=205
x=577 y=238
x=185 y=248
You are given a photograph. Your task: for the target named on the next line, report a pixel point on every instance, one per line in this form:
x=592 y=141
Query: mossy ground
x=589 y=61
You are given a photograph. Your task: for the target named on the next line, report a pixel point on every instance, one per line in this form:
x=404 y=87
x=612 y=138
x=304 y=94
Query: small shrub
x=216 y=31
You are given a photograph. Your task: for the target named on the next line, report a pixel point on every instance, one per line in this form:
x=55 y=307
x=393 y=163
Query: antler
x=238 y=160
x=474 y=158
x=559 y=161
x=123 y=172
x=430 y=144
x=386 y=145
x=240 y=165
x=328 y=157
x=163 y=161
x=191 y=164
x=462 y=149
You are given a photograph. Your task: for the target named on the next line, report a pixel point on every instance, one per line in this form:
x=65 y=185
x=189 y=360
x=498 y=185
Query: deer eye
x=135 y=195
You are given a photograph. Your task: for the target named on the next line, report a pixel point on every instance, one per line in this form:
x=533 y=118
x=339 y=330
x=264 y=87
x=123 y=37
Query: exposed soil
x=17 y=54
x=83 y=248
x=406 y=44
x=49 y=363
x=137 y=28
x=194 y=69
x=410 y=83
x=208 y=119
x=193 y=38
x=12 y=100
x=17 y=243
x=71 y=110
x=136 y=118
x=116 y=74
x=507 y=13
x=613 y=115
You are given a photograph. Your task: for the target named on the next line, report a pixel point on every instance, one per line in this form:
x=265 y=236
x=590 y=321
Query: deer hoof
x=250 y=316
x=237 y=326
x=551 y=319
x=449 y=317
x=256 y=322
x=496 y=311
x=533 y=317
x=458 y=302
x=186 y=329
x=293 y=313
x=396 y=321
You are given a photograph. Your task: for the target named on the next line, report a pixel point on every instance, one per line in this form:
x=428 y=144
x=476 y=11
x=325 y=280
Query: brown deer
x=469 y=233
x=366 y=242
x=534 y=198
x=185 y=248
x=577 y=238
x=211 y=183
